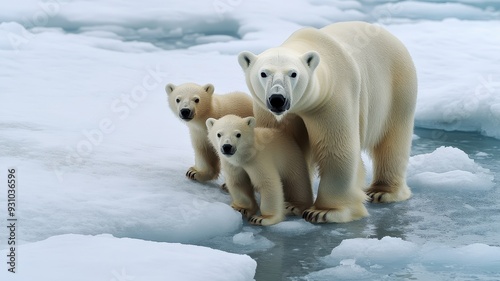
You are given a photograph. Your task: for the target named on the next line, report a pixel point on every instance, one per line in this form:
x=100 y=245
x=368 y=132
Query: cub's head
x=278 y=78
x=190 y=101
x=231 y=136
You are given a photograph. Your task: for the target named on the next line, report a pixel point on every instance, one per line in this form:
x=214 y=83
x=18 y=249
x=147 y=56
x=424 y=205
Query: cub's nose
x=228 y=149
x=185 y=113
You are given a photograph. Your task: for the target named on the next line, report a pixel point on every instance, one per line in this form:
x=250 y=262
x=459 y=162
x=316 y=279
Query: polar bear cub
x=263 y=159
x=193 y=104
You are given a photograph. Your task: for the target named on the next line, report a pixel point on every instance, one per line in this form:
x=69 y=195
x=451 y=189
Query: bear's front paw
x=315 y=216
x=377 y=197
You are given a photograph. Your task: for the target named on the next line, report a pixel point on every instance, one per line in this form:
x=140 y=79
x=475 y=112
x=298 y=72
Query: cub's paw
x=377 y=194
x=224 y=188
x=191 y=173
x=194 y=174
x=315 y=215
x=292 y=210
x=265 y=220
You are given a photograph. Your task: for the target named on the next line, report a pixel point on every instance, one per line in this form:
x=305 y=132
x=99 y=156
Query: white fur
x=355 y=89
x=265 y=160
x=204 y=104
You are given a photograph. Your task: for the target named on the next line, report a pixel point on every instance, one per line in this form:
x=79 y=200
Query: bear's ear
x=245 y=59
x=311 y=59
x=210 y=123
x=169 y=88
x=250 y=121
x=209 y=88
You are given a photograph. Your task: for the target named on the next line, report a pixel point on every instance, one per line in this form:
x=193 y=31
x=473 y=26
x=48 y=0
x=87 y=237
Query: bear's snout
x=186 y=114
x=278 y=103
x=228 y=149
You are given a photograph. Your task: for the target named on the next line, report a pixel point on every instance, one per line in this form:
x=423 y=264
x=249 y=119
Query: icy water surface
x=292 y=251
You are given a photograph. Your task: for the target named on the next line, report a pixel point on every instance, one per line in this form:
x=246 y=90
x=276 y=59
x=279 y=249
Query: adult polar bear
x=351 y=94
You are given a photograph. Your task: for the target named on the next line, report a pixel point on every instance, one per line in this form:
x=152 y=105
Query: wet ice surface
x=83 y=116
x=439 y=229
x=79 y=257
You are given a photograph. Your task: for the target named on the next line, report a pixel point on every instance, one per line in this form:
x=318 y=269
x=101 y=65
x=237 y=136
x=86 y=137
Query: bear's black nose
x=227 y=149
x=278 y=103
x=185 y=113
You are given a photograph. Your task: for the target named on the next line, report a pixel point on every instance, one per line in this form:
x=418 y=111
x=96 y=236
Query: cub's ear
x=209 y=88
x=210 y=123
x=246 y=58
x=311 y=59
x=250 y=121
x=169 y=88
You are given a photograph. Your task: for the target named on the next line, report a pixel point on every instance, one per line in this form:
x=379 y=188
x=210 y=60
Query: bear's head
x=232 y=137
x=190 y=101
x=279 y=77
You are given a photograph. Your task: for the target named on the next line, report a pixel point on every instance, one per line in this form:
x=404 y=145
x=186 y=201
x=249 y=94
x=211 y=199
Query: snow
x=244 y=238
x=249 y=240
x=393 y=258
x=387 y=251
x=435 y=11
x=347 y=270
x=101 y=159
x=448 y=168
x=460 y=83
x=104 y=257
x=292 y=228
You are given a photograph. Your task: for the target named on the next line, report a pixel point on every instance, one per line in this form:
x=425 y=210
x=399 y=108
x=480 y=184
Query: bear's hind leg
x=391 y=154
x=390 y=159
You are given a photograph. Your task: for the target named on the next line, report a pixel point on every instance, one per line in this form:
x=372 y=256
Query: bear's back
x=367 y=42
x=236 y=103
x=355 y=38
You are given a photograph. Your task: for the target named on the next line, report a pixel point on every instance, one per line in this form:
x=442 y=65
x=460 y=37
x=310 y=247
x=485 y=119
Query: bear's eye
x=218 y=135
x=196 y=100
x=293 y=75
x=177 y=100
x=238 y=135
x=263 y=75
